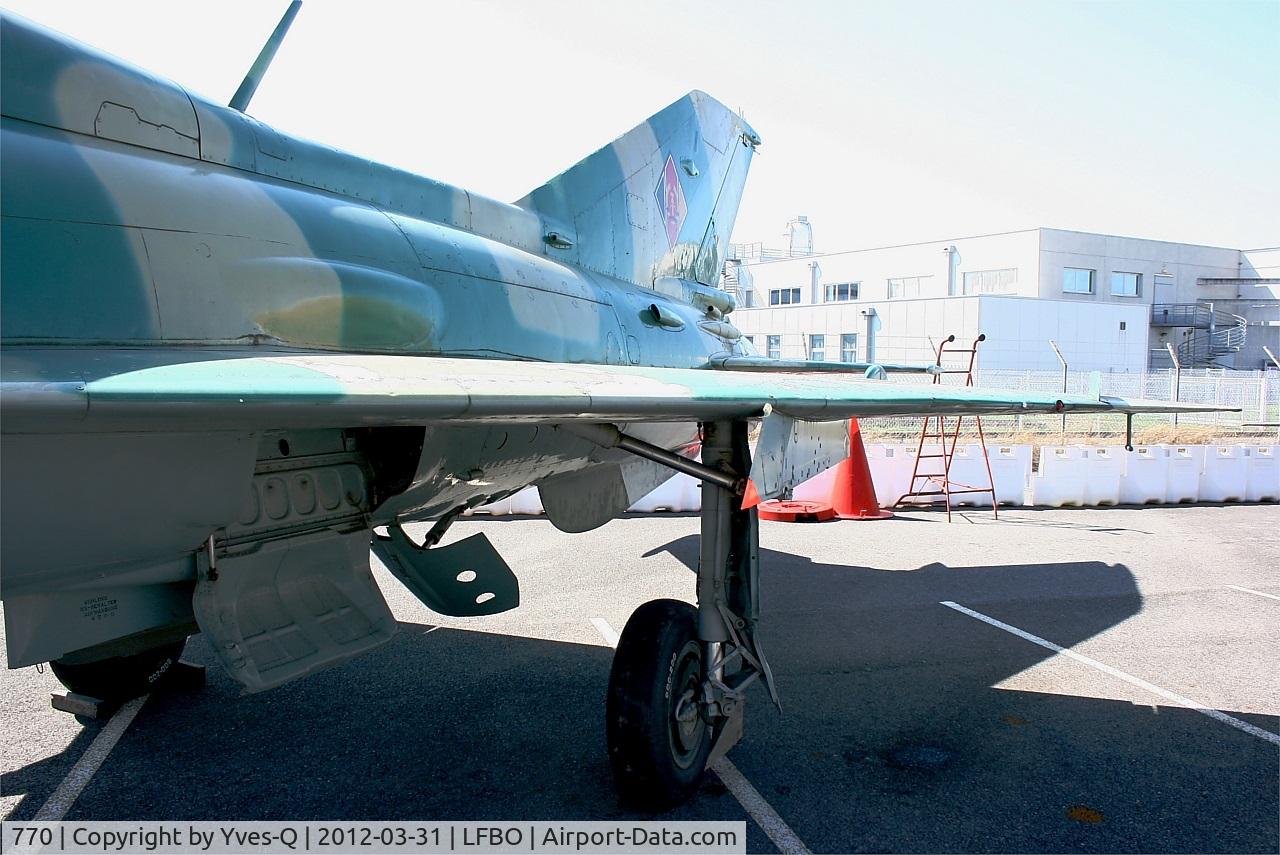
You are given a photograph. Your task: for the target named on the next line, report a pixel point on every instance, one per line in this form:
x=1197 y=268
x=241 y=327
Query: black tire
x=657 y=760
x=119 y=678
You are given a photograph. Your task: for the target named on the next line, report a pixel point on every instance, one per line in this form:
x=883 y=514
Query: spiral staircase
x=1212 y=335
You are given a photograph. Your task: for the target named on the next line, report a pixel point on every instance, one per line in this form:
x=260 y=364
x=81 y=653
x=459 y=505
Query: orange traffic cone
x=852 y=494
x=791 y=510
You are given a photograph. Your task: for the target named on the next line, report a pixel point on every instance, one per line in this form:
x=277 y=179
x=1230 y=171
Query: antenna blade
x=244 y=94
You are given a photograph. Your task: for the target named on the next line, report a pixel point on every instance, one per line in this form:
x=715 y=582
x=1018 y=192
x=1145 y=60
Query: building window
x=784 y=296
x=906 y=286
x=841 y=292
x=818 y=348
x=1076 y=280
x=747 y=299
x=773 y=346
x=849 y=347
x=1126 y=284
x=990 y=281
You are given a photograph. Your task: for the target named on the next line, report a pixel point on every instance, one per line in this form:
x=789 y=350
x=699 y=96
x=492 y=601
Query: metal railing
x=1257 y=393
x=1197 y=315
x=759 y=252
x=1206 y=346
x=1217 y=333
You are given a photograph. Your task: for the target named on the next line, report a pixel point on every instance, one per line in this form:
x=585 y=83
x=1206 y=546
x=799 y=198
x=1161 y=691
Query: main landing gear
x=119 y=678
x=676 y=691
x=659 y=740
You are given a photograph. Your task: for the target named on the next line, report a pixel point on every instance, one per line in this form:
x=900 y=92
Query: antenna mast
x=244 y=94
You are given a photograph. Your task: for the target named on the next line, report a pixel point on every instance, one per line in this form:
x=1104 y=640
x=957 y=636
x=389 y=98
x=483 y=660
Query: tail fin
x=658 y=201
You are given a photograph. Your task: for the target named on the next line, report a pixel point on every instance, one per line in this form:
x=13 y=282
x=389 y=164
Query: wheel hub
x=686 y=724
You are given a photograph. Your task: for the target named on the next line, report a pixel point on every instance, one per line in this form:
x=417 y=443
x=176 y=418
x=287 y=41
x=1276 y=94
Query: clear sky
x=884 y=122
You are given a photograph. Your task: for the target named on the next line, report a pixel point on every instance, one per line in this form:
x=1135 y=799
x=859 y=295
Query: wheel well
x=393 y=454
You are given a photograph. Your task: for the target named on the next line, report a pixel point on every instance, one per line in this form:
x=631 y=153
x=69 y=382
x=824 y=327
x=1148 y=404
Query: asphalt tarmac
x=907 y=725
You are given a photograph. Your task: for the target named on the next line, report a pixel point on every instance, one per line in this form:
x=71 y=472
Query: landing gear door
x=288 y=608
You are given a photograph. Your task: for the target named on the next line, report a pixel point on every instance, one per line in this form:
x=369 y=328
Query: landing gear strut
x=677 y=688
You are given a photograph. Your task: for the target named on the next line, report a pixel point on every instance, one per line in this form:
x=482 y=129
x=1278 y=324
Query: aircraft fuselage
x=143 y=225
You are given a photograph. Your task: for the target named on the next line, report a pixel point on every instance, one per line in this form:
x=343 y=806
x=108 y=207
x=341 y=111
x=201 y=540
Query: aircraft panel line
x=1218 y=715
x=770 y=822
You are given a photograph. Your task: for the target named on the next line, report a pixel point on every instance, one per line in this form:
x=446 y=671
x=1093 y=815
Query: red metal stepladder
x=937 y=432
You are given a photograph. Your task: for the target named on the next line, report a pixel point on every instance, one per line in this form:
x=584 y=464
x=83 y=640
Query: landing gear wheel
x=658 y=738
x=119 y=678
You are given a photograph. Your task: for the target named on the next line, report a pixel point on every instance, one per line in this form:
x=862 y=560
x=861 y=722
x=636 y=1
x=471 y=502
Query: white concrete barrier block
x=1104 y=467
x=691 y=494
x=1010 y=470
x=890 y=471
x=926 y=464
x=1146 y=476
x=1225 y=474
x=968 y=472
x=1263 y=483
x=1061 y=479
x=817 y=488
x=527 y=501
x=677 y=494
x=1186 y=462
x=1066 y=459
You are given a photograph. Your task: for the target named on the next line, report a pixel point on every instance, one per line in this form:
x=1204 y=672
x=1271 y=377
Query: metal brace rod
x=442 y=525
x=213 y=559
x=608 y=436
x=1063 y=360
x=1271 y=355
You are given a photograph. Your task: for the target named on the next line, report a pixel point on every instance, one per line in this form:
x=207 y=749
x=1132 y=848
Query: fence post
x=1026 y=387
x=1061 y=359
x=1177 y=376
x=1217 y=399
x=1262 y=395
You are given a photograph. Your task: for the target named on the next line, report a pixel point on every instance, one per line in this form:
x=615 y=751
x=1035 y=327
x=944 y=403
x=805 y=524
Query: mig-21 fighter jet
x=233 y=361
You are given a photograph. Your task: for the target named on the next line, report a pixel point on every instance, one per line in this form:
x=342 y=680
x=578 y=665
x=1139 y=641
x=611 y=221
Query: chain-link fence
x=1256 y=393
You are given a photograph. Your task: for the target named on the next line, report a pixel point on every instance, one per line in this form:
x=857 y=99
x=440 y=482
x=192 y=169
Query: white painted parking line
x=787 y=841
x=1212 y=713
x=610 y=635
x=1251 y=591
x=89 y=763
x=761 y=811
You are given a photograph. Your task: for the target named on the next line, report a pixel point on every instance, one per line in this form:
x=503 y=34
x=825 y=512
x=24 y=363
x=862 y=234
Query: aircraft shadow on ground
x=893 y=736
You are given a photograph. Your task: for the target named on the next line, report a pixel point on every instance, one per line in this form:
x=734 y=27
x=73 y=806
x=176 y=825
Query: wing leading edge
x=327 y=390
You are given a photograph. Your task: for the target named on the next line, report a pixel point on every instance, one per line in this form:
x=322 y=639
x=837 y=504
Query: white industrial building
x=1110 y=303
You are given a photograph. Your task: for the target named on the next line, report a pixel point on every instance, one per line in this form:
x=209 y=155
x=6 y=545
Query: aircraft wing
x=335 y=390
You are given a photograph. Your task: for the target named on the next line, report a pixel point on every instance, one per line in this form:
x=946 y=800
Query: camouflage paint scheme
x=225 y=347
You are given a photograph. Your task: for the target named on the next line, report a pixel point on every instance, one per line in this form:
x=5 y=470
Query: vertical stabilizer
x=658 y=201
